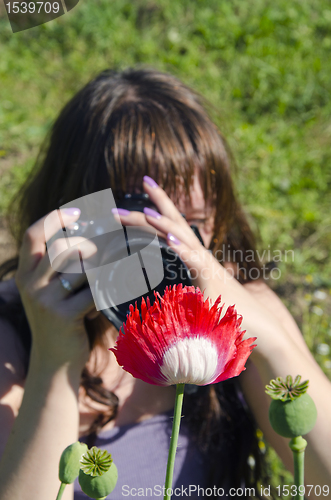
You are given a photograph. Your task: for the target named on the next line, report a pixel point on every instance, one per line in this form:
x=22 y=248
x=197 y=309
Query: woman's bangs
x=147 y=139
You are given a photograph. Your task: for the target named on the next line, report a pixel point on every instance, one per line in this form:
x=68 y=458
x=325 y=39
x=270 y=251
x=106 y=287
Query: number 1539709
x=309 y=489
x=33 y=7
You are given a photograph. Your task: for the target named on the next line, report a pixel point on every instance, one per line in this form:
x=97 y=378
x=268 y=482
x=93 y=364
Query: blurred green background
x=265 y=67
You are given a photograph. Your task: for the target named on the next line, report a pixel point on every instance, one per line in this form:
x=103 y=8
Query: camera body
x=115 y=272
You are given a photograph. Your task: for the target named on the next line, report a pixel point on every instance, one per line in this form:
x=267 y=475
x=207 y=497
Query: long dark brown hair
x=118 y=128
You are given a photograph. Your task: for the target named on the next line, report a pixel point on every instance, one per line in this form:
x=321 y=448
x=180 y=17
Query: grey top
x=140 y=452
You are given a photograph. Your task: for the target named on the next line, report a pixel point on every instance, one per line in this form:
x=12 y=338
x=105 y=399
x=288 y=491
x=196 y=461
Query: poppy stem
x=298 y=446
x=61 y=490
x=174 y=440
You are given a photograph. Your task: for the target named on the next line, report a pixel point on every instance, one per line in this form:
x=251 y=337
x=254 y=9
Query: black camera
x=111 y=284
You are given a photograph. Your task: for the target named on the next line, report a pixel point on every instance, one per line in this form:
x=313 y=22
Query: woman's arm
x=48 y=418
x=47 y=422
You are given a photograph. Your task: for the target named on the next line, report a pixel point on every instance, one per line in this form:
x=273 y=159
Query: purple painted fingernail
x=151 y=182
x=173 y=238
x=152 y=213
x=71 y=211
x=120 y=211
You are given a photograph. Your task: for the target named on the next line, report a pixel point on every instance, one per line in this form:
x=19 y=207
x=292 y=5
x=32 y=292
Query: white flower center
x=191 y=361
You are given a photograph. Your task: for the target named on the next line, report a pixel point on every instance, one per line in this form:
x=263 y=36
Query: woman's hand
x=55 y=315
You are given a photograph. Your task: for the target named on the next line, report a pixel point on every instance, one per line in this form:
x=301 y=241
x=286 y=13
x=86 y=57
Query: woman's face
x=198 y=212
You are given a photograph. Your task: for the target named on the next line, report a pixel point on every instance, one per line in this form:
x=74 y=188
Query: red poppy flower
x=182 y=340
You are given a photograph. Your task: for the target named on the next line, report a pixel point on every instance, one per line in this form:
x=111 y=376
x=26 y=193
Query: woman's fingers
x=162 y=201
x=35 y=237
x=127 y=218
x=66 y=255
x=35 y=260
x=166 y=225
x=181 y=239
x=168 y=219
x=161 y=224
x=172 y=220
x=80 y=304
x=200 y=262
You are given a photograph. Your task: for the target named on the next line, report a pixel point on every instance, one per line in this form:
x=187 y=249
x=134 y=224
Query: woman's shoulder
x=270 y=300
x=277 y=309
x=266 y=296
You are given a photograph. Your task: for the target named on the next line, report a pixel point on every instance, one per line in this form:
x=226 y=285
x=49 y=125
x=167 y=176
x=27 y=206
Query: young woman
x=139 y=131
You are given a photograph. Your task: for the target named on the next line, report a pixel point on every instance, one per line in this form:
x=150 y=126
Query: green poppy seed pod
x=70 y=462
x=98 y=486
x=294 y=417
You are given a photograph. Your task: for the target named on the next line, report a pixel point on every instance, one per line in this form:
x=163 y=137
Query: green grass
x=265 y=67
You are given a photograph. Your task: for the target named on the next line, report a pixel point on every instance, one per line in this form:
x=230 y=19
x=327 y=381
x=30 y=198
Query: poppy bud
x=98 y=473
x=69 y=462
x=293 y=418
x=292 y=412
